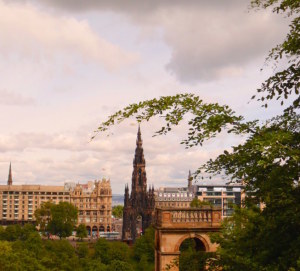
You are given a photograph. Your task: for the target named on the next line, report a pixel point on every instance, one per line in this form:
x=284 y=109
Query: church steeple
x=9 y=180
x=139 y=180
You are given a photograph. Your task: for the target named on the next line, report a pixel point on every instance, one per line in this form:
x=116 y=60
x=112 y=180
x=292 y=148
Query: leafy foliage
x=58 y=219
x=206 y=120
x=81 y=231
x=43 y=216
x=285 y=82
x=144 y=246
x=117 y=211
x=29 y=252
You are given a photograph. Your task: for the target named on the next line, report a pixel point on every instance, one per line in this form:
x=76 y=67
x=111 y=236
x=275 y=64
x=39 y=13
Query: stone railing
x=195 y=217
x=191 y=216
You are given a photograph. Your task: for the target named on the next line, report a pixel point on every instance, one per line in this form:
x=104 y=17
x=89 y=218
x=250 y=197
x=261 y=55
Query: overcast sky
x=66 y=65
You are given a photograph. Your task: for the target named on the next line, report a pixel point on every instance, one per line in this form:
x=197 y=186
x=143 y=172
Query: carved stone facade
x=140 y=203
x=174 y=225
x=93 y=201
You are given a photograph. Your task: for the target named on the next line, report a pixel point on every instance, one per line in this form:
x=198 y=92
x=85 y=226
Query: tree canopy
x=117 y=211
x=58 y=219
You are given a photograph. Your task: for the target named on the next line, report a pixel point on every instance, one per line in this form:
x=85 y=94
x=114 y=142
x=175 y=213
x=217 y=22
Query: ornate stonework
x=140 y=203
x=174 y=225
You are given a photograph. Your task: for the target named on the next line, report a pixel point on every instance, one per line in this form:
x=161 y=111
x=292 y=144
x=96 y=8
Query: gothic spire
x=9 y=181
x=139 y=135
x=139 y=153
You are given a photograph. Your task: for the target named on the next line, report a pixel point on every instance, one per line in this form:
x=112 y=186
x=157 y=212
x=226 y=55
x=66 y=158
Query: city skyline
x=65 y=67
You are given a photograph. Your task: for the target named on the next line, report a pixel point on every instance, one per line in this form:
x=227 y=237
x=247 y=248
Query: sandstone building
x=93 y=200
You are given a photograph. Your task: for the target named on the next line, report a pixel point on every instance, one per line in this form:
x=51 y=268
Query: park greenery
x=81 y=232
x=267 y=163
x=57 y=219
x=22 y=248
x=117 y=211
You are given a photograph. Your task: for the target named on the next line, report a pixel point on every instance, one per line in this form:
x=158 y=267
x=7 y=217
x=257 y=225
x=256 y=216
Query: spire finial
x=9 y=181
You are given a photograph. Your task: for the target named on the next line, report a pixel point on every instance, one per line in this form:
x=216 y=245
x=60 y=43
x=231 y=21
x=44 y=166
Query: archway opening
x=88 y=228
x=192 y=255
x=94 y=231
x=101 y=228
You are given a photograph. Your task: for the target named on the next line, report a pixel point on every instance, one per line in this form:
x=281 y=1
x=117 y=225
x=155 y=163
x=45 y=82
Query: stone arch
x=101 y=228
x=94 y=231
x=174 y=225
x=201 y=238
x=88 y=228
x=108 y=229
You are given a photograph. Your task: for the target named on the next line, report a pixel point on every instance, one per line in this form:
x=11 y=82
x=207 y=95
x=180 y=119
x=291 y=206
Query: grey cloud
x=208 y=39
x=12 y=98
x=134 y=6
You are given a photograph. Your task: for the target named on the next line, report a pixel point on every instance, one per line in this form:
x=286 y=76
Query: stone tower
x=9 y=180
x=140 y=203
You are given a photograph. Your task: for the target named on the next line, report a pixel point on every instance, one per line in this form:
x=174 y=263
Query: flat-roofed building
x=221 y=195
x=18 y=202
x=175 y=196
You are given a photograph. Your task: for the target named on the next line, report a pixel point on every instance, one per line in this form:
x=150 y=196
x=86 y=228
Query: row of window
x=16 y=217
x=88 y=220
x=88 y=200
x=33 y=193
x=174 y=199
x=178 y=195
x=173 y=204
x=90 y=206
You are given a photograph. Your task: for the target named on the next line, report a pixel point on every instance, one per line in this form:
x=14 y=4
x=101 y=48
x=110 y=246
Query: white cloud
x=32 y=34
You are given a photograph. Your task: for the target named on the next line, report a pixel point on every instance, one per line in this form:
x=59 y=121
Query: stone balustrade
x=205 y=216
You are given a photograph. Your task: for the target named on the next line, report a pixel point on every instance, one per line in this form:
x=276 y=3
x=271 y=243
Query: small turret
x=9 y=181
x=190 y=180
x=126 y=196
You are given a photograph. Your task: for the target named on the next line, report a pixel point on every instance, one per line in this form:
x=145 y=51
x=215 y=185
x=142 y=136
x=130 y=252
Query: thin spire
x=9 y=181
x=190 y=179
x=139 y=135
x=139 y=153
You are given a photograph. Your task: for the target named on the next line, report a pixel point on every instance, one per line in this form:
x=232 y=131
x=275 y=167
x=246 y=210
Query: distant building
x=175 y=196
x=221 y=195
x=93 y=200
